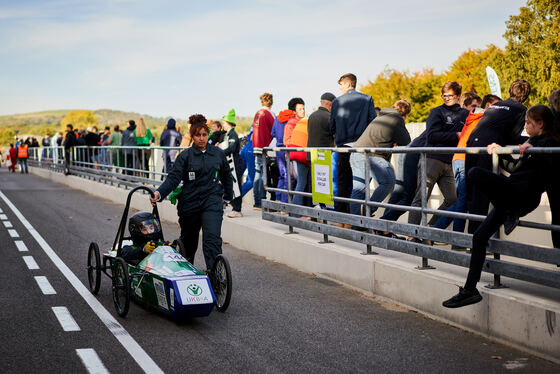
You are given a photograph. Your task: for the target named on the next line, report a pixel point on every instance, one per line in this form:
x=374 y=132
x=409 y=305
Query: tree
x=80 y=119
x=533 y=48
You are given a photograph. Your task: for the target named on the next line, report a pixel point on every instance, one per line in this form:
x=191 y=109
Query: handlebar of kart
x=122 y=227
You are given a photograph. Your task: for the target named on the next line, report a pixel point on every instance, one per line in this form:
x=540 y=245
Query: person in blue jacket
x=207 y=184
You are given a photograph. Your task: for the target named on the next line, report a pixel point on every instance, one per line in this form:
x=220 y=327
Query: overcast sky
x=176 y=58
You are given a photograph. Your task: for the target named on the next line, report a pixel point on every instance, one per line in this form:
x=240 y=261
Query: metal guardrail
x=113 y=170
x=272 y=209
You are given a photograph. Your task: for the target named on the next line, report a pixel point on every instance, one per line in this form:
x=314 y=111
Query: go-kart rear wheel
x=94 y=268
x=221 y=283
x=121 y=286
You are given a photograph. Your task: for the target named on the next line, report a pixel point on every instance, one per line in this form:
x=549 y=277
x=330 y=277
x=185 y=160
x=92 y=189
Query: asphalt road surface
x=279 y=321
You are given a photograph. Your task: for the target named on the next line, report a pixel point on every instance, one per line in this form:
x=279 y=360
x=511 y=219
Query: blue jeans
x=283 y=178
x=405 y=187
x=303 y=185
x=383 y=173
x=258 y=187
x=460 y=205
x=23 y=165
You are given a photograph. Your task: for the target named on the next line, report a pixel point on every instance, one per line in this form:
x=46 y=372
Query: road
x=279 y=321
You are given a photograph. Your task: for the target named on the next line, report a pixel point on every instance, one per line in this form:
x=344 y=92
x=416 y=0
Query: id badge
x=192 y=175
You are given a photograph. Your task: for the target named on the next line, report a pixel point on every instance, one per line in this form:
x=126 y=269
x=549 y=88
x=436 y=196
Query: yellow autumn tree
x=80 y=119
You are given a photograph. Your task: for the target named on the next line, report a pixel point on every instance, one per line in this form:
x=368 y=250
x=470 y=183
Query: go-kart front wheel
x=121 y=286
x=94 y=268
x=221 y=283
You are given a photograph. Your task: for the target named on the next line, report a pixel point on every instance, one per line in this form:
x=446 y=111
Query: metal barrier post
x=289 y=176
x=424 y=220
x=366 y=197
x=497 y=279
x=264 y=173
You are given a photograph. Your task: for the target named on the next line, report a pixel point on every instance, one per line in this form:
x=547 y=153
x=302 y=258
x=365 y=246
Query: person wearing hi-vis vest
x=22 y=155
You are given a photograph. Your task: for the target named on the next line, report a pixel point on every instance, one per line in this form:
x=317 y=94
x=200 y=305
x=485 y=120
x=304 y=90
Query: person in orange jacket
x=22 y=155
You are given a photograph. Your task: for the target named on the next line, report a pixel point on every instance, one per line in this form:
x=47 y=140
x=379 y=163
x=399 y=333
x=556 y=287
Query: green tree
x=80 y=119
x=533 y=48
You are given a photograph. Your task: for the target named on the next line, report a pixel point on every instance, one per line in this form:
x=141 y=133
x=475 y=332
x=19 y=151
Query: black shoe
x=388 y=235
x=359 y=228
x=511 y=222
x=463 y=298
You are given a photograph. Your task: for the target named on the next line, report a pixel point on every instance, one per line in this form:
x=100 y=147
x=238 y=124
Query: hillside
x=48 y=122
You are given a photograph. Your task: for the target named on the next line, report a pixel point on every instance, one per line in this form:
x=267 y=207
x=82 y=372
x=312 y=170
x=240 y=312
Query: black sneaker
x=463 y=298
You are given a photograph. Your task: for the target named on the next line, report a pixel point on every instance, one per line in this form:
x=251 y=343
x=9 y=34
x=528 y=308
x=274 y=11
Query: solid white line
x=30 y=262
x=65 y=319
x=7 y=224
x=13 y=233
x=126 y=340
x=91 y=361
x=21 y=246
x=3 y=216
x=44 y=285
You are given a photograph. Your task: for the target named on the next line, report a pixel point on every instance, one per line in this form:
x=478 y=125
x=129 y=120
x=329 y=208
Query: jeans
x=258 y=187
x=283 y=178
x=23 y=165
x=460 y=205
x=303 y=185
x=380 y=169
x=436 y=172
x=405 y=186
x=249 y=163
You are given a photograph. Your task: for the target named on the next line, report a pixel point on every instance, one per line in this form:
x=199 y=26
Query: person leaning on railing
x=511 y=197
x=385 y=131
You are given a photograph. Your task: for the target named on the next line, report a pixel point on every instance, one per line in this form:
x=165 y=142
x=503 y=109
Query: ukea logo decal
x=194 y=290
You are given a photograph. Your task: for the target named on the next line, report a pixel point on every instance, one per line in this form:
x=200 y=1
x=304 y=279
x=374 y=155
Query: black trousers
x=210 y=221
x=477 y=201
x=507 y=196
x=344 y=181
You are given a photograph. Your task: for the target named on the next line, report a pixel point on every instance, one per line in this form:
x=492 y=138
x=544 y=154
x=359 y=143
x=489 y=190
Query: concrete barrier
x=525 y=316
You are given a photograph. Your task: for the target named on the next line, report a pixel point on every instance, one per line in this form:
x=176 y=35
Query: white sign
x=195 y=291
x=322 y=179
x=160 y=293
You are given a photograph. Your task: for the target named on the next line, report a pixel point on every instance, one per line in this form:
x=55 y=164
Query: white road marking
x=7 y=224
x=127 y=341
x=13 y=233
x=3 y=217
x=91 y=361
x=44 y=285
x=21 y=246
x=30 y=262
x=65 y=318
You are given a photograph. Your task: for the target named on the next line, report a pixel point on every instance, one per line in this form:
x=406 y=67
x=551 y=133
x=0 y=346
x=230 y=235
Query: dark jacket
x=350 y=115
x=69 y=140
x=442 y=126
x=170 y=138
x=501 y=123
x=206 y=179
x=318 y=129
x=216 y=137
x=384 y=131
x=128 y=140
x=233 y=148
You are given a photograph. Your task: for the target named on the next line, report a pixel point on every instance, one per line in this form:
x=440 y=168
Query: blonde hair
x=141 y=128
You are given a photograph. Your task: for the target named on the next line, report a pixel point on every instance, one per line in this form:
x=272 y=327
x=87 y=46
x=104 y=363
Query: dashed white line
x=91 y=361
x=30 y=262
x=21 y=246
x=65 y=319
x=44 y=285
x=3 y=217
x=127 y=341
x=13 y=233
x=7 y=224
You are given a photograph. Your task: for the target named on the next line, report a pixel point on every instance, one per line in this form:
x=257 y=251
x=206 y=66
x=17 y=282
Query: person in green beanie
x=231 y=147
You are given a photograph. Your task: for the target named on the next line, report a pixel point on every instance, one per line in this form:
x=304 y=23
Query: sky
x=176 y=58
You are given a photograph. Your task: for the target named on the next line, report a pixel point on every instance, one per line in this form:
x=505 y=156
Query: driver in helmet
x=145 y=231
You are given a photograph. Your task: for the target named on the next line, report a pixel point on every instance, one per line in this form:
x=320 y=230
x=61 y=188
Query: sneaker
x=257 y=207
x=234 y=214
x=463 y=298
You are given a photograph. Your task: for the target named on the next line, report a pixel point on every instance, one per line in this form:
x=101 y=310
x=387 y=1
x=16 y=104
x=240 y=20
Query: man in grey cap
x=318 y=129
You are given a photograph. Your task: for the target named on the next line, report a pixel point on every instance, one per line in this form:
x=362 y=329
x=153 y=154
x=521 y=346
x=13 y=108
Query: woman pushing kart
x=207 y=184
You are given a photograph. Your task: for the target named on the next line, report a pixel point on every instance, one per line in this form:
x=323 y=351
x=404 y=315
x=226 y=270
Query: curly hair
x=266 y=99
x=198 y=122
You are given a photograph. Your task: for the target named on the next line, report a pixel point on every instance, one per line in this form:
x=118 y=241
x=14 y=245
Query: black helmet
x=143 y=227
